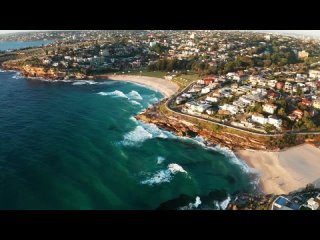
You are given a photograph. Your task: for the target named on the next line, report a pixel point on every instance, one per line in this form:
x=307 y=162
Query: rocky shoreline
x=183 y=127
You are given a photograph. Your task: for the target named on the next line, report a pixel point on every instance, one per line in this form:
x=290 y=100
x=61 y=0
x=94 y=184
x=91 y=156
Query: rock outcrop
x=183 y=127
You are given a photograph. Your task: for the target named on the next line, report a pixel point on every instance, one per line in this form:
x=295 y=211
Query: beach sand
x=166 y=87
x=285 y=171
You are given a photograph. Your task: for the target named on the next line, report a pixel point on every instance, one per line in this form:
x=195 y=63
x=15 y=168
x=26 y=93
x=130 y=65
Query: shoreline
x=284 y=171
x=166 y=87
x=281 y=172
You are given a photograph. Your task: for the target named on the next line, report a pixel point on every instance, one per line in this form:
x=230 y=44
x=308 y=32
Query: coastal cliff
x=184 y=127
x=40 y=72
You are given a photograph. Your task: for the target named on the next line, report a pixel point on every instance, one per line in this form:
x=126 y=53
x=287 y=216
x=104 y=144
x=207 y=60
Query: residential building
x=303 y=54
x=298 y=113
x=269 y=108
x=316 y=104
x=312 y=204
x=314 y=74
x=259 y=118
x=275 y=121
x=231 y=108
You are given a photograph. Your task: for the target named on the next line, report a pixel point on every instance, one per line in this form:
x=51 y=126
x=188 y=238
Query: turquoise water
x=16 y=45
x=70 y=146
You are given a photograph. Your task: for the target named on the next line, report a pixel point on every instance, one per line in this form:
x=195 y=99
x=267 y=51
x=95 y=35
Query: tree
x=269 y=128
x=299 y=91
x=282 y=112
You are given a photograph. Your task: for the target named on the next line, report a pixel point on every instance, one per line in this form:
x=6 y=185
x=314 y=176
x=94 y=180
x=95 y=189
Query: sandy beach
x=285 y=171
x=166 y=87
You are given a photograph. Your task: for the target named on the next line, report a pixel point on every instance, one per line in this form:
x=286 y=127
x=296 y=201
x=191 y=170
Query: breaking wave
x=142 y=133
x=222 y=205
x=17 y=76
x=160 y=177
x=134 y=95
x=115 y=93
x=137 y=136
x=165 y=175
x=133 y=119
x=191 y=206
x=134 y=102
x=84 y=82
x=160 y=159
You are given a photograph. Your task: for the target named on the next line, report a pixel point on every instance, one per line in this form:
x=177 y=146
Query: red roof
x=298 y=112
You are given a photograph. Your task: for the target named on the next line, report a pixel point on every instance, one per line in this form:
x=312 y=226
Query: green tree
x=282 y=112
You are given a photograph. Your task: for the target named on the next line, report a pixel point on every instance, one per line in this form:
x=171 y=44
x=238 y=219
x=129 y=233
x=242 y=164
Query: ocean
x=67 y=145
x=77 y=145
x=10 y=45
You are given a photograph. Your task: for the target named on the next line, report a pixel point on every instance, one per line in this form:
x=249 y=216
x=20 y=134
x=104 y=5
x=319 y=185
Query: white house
x=275 y=121
x=269 y=108
x=231 y=108
x=186 y=95
x=205 y=90
x=212 y=99
x=259 y=118
x=312 y=204
x=314 y=73
x=200 y=81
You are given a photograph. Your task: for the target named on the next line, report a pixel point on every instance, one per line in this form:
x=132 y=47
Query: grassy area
x=185 y=79
x=157 y=74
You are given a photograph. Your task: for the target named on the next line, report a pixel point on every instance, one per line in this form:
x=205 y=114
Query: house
x=210 y=111
x=272 y=83
x=202 y=107
x=316 y=104
x=231 y=108
x=312 y=204
x=259 y=118
x=246 y=100
x=292 y=117
x=306 y=102
x=186 y=95
x=269 y=108
x=275 y=121
x=198 y=107
x=212 y=99
x=303 y=54
x=314 y=74
x=208 y=80
x=288 y=86
x=205 y=90
x=200 y=81
x=280 y=85
x=273 y=95
x=298 y=113
x=180 y=100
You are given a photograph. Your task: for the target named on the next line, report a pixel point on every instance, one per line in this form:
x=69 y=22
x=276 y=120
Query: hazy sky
x=314 y=33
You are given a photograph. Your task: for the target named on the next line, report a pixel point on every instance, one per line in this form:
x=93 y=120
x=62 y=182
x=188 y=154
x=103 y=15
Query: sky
x=313 y=33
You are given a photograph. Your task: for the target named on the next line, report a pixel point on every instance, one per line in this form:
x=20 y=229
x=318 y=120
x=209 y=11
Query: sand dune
x=285 y=171
x=166 y=87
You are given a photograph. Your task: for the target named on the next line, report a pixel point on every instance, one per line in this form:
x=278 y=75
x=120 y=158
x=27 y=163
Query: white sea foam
x=160 y=159
x=175 y=168
x=224 y=203
x=134 y=95
x=197 y=202
x=115 y=93
x=154 y=100
x=134 y=102
x=132 y=118
x=137 y=136
x=160 y=177
x=165 y=175
x=84 y=82
x=17 y=76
